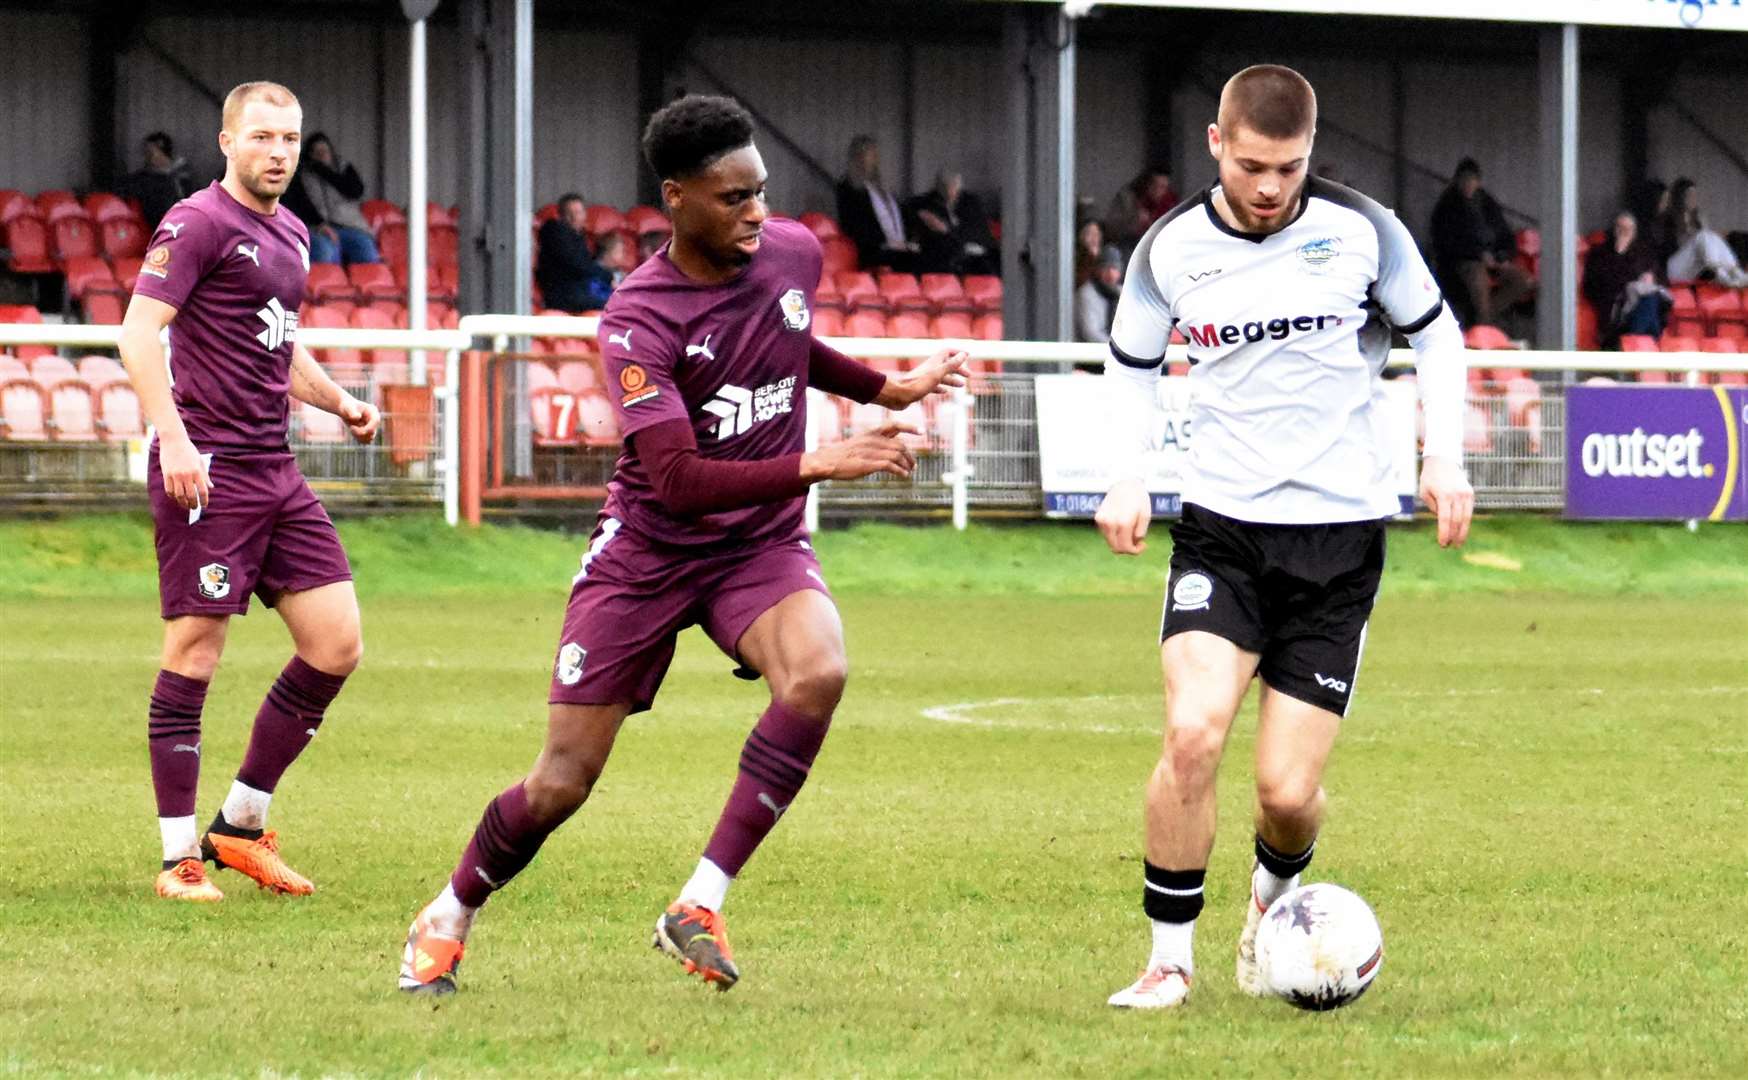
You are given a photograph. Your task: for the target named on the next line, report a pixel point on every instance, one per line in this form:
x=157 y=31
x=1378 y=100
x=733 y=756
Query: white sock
x=181 y=840
x=449 y=916
x=1270 y=888
x=1171 y=945
x=708 y=887
x=245 y=807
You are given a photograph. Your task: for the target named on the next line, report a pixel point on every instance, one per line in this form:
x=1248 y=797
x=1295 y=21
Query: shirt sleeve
x=183 y=251
x=1405 y=288
x=638 y=360
x=1442 y=373
x=1140 y=333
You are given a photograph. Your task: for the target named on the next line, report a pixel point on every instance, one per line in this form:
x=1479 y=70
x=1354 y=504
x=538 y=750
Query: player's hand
x=940 y=371
x=1124 y=516
x=185 y=478
x=1444 y=488
x=361 y=416
x=871 y=452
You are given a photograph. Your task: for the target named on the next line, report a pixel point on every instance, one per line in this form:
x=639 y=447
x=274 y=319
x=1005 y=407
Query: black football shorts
x=1298 y=595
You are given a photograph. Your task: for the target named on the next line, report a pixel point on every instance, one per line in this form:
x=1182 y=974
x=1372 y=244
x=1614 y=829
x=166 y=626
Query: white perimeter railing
x=495 y=331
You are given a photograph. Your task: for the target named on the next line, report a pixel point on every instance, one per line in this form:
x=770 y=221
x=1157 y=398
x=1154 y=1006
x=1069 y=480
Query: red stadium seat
x=127 y=272
x=860 y=292
x=319 y=425
x=394 y=309
x=24 y=411
x=385 y=360
x=908 y=324
x=1477 y=430
x=1486 y=337
x=24 y=313
x=901 y=292
x=865 y=324
x=438 y=214
x=14 y=203
x=1719 y=345
x=88 y=274
x=945 y=293
x=598 y=219
x=1730 y=378
x=951 y=324
x=578 y=376
x=330 y=316
x=51 y=371
x=840 y=254
x=28 y=240
x=988 y=327
x=821 y=225
x=647 y=219
x=1734 y=332
x=391 y=242
x=329 y=282
x=827 y=322
x=441 y=316
x=1657 y=378
x=1721 y=307
x=102 y=206
x=1523 y=409
x=441 y=283
x=73 y=236
x=103 y=308
x=371 y=281
x=443 y=246
x=48 y=200
x=553 y=412
x=826 y=296
x=984 y=292
x=379 y=212
x=1677 y=343
x=1588 y=338
x=1638 y=343
x=124 y=238
x=118 y=412
x=540 y=375
x=596 y=420
x=545 y=214
x=61 y=211
x=72 y=413
x=11 y=367
x=100 y=371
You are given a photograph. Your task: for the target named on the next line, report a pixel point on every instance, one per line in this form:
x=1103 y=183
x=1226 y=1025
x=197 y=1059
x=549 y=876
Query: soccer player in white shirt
x=1287 y=290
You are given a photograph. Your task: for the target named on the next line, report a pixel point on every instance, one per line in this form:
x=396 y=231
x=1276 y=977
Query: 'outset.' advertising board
x=1656 y=452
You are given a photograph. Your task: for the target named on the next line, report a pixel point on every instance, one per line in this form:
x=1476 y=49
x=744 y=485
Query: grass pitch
x=1540 y=790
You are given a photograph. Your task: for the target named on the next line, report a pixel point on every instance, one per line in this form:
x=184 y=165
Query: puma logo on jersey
x=253 y=254
x=1337 y=685
x=620 y=339
x=281 y=325
x=174 y=230
x=700 y=350
x=1208 y=335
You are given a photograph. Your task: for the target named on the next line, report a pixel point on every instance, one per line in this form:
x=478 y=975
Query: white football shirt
x=1288 y=333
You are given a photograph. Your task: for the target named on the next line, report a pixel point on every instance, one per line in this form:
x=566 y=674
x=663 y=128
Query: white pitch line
x=959 y=713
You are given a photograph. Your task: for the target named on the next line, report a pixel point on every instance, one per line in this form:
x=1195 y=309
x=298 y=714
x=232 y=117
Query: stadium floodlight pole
x=416 y=12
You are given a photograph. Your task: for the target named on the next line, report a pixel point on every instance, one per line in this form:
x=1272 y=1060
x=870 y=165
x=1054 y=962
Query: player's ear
x=672 y=194
x=1214 y=141
x=225 y=143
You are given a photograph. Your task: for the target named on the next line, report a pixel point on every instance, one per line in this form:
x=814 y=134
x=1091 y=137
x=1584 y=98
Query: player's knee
x=1192 y=750
x=815 y=686
x=557 y=789
x=339 y=652
x=1288 y=798
x=194 y=655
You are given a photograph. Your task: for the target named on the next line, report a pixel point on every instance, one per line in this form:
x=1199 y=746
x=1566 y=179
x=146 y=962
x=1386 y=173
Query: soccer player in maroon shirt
x=231 y=513
x=708 y=349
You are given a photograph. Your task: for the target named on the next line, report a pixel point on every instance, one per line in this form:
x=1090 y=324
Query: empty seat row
x=907 y=324
x=850 y=291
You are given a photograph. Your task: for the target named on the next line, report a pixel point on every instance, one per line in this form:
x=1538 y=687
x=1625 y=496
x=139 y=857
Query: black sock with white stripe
x=1172 y=899
x=1277 y=874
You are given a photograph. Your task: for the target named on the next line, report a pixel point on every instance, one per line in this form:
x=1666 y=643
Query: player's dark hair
x=1273 y=101
x=687 y=136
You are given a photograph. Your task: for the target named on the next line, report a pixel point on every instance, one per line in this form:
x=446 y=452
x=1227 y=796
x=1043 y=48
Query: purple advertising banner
x=1656 y=452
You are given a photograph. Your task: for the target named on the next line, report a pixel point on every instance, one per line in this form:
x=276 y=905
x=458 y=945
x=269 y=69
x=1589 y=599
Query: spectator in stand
x=1089 y=244
x=570 y=277
x=953 y=229
x=616 y=257
x=1473 y=248
x=871 y=215
x=1620 y=281
x=325 y=193
x=1136 y=206
x=1651 y=209
x=1095 y=301
x=649 y=243
x=1700 y=254
x=162 y=182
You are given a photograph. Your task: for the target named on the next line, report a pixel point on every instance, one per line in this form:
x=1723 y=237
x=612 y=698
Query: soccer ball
x=1319 y=947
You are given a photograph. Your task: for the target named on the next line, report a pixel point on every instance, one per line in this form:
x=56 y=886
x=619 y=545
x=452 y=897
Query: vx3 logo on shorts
x=1337 y=685
x=770 y=804
x=701 y=350
x=621 y=339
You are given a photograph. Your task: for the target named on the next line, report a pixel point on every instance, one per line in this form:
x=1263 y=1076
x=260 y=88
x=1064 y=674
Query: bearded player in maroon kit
x=708 y=347
x=231 y=513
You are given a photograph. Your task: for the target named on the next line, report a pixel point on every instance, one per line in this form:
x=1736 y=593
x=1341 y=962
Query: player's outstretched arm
x=1441 y=368
x=945 y=369
x=142 y=353
x=309 y=383
x=877 y=451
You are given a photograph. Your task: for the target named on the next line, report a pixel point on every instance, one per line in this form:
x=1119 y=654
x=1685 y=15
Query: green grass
x=1540 y=791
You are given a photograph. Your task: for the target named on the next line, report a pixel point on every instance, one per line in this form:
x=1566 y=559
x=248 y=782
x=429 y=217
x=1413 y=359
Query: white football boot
x=1249 y=973
x=1162 y=987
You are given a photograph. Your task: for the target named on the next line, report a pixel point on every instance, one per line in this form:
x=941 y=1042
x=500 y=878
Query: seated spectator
x=615 y=256
x=1650 y=208
x=570 y=278
x=326 y=194
x=1699 y=253
x=1089 y=244
x=953 y=229
x=870 y=215
x=1473 y=249
x=162 y=182
x=1095 y=301
x=1620 y=282
x=649 y=243
x=1136 y=206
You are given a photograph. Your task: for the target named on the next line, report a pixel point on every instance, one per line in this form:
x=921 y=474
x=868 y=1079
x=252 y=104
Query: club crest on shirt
x=157 y=262
x=215 y=581
x=635 y=382
x=1316 y=255
x=570 y=663
x=795 y=313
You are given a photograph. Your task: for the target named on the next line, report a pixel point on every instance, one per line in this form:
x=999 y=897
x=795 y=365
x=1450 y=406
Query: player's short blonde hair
x=1271 y=100
x=270 y=92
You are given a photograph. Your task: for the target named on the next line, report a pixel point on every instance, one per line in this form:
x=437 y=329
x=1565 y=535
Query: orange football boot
x=698 y=939
x=258 y=859
x=430 y=961
x=187 y=880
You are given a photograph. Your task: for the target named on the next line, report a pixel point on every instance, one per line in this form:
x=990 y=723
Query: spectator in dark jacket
x=1473 y=248
x=162 y=182
x=570 y=278
x=1620 y=282
x=953 y=229
x=871 y=215
x=325 y=193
